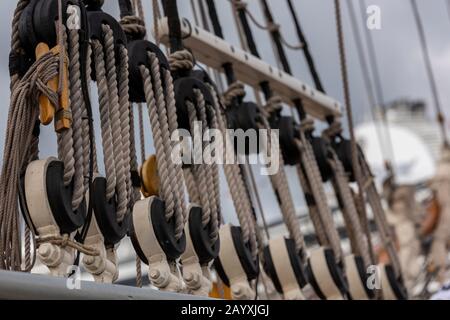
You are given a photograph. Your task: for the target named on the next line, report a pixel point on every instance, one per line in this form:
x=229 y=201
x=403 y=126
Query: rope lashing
x=235 y=91
x=181 y=60
x=65 y=241
x=134 y=27
x=22 y=117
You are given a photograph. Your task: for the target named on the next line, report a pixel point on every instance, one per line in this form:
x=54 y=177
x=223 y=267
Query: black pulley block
x=294 y=260
x=200 y=237
x=164 y=231
x=396 y=284
x=38 y=23
x=184 y=91
x=96 y=20
x=138 y=56
x=94 y=5
x=320 y=148
x=250 y=266
x=244 y=117
x=289 y=133
x=60 y=200
x=106 y=215
x=343 y=149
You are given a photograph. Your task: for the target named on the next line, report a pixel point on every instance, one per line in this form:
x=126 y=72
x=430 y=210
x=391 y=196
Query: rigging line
x=429 y=69
x=379 y=92
x=218 y=31
x=354 y=147
x=447 y=2
x=369 y=86
x=269 y=26
x=306 y=51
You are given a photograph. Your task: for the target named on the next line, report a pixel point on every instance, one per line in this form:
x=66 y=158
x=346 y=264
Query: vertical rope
x=354 y=147
x=116 y=122
x=430 y=73
x=107 y=141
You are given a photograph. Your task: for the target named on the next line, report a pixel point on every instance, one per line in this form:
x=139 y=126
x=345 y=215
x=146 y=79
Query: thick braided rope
x=205 y=172
x=198 y=170
x=21 y=119
x=107 y=141
x=191 y=186
x=85 y=123
x=16 y=46
x=115 y=121
x=173 y=170
x=125 y=117
x=312 y=208
x=215 y=174
x=357 y=238
x=65 y=141
x=280 y=185
x=234 y=91
x=173 y=125
x=161 y=159
x=77 y=106
x=317 y=189
x=6 y=199
x=181 y=60
x=235 y=183
x=133 y=25
x=380 y=218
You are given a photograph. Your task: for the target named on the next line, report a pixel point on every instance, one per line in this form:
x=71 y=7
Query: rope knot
x=273 y=105
x=239 y=4
x=235 y=90
x=64 y=240
x=134 y=27
x=273 y=27
x=307 y=125
x=333 y=130
x=181 y=60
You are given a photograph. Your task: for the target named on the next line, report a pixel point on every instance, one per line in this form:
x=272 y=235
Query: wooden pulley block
x=149 y=178
x=48 y=112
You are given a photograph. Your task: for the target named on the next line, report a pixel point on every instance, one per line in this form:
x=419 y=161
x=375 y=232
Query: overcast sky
x=397 y=49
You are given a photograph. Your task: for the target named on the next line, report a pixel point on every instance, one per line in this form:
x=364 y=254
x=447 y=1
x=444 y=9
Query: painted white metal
x=162 y=274
x=240 y=288
x=215 y=52
x=195 y=276
x=20 y=285
x=57 y=259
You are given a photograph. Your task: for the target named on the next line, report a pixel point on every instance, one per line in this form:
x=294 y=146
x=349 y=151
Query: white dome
x=413 y=162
